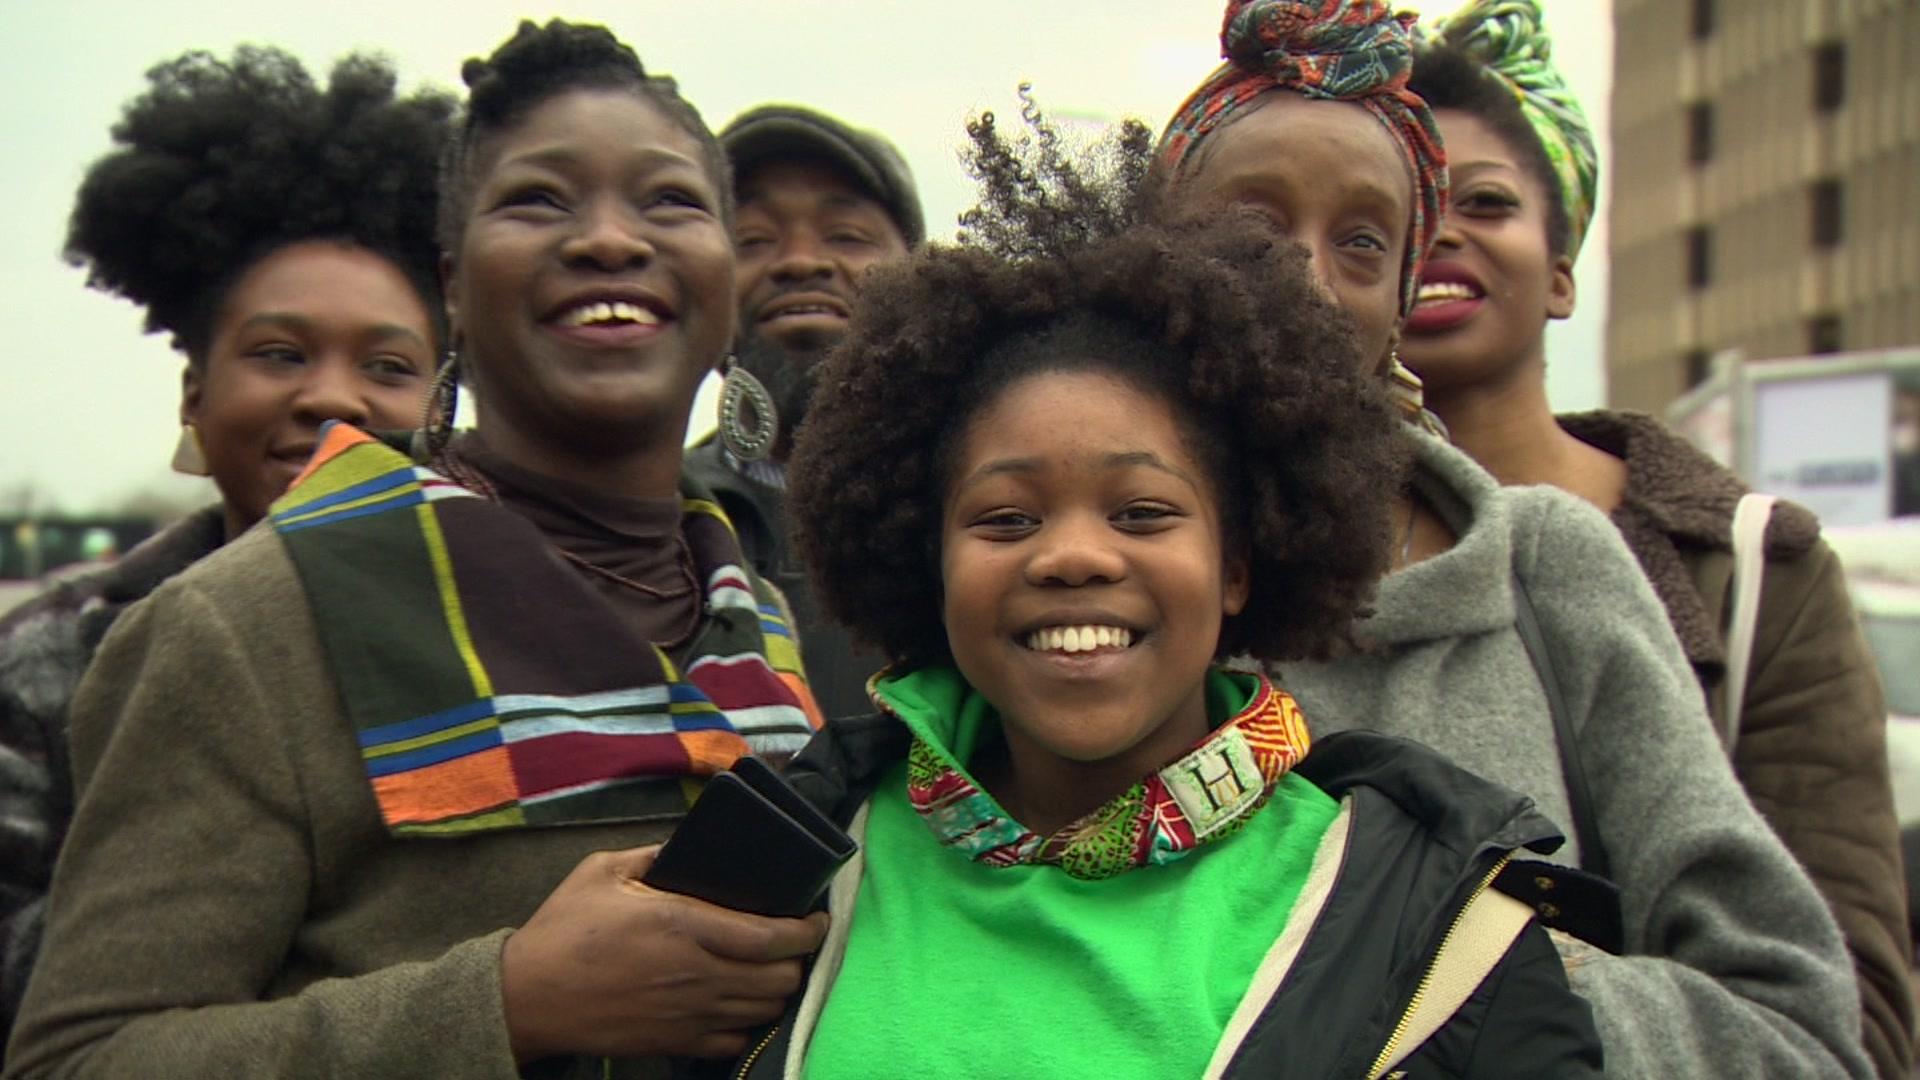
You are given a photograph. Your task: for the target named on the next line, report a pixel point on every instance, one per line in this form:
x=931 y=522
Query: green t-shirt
x=957 y=968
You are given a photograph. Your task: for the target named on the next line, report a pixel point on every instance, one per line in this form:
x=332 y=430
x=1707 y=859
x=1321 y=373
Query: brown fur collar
x=1679 y=503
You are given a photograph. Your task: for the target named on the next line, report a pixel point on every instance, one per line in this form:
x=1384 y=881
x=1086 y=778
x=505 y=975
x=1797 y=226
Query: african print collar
x=1209 y=792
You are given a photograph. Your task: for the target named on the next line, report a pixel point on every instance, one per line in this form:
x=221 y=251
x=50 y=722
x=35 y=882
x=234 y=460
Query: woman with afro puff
x=372 y=790
x=282 y=233
x=1117 y=454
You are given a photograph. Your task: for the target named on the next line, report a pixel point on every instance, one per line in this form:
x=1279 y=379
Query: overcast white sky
x=88 y=404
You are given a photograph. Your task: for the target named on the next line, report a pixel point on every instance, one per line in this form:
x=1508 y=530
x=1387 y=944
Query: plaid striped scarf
x=1336 y=50
x=491 y=687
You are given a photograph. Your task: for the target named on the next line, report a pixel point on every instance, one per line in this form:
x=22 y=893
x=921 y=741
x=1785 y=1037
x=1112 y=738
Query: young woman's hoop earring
x=188 y=458
x=749 y=424
x=443 y=401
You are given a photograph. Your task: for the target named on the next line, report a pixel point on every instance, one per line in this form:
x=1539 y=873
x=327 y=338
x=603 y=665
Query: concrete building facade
x=1766 y=185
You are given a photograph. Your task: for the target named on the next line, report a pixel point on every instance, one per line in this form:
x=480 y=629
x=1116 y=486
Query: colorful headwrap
x=1506 y=36
x=1337 y=50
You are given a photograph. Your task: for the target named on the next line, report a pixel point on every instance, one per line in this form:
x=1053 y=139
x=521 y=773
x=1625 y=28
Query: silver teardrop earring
x=443 y=401
x=749 y=423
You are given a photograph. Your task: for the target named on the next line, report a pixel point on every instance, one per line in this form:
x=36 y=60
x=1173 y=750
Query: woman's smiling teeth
x=1075 y=639
x=617 y=311
x=1441 y=292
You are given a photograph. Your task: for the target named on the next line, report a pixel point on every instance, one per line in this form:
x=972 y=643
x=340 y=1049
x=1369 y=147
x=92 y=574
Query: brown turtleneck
x=638 y=539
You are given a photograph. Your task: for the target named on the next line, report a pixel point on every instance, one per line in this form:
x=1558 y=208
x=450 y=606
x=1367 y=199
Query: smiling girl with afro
x=1058 y=475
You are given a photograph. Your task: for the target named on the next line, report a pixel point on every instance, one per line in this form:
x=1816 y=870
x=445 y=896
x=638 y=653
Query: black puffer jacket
x=1416 y=840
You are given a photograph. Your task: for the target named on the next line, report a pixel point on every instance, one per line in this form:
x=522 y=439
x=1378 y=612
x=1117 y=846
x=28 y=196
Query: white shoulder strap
x=1486 y=929
x=841 y=895
x=1749 y=566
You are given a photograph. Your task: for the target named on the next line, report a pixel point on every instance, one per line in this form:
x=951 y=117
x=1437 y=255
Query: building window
x=1699 y=256
x=1699 y=365
x=1829 y=76
x=1828 y=213
x=1823 y=334
x=1702 y=19
x=1700 y=132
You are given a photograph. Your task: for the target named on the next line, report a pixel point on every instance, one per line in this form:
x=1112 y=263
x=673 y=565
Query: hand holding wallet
x=751 y=843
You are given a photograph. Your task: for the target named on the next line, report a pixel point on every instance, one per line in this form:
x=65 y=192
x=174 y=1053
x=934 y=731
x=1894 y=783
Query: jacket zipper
x=746 y=1066
x=1426 y=979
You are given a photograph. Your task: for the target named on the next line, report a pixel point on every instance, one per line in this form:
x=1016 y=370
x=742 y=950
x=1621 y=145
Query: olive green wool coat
x=230 y=903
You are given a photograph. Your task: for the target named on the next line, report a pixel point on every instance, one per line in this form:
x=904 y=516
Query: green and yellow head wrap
x=1508 y=38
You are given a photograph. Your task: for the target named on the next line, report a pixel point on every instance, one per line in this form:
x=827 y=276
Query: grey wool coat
x=1812 y=750
x=1733 y=965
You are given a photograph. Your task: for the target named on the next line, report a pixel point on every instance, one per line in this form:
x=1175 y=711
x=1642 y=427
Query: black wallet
x=751 y=843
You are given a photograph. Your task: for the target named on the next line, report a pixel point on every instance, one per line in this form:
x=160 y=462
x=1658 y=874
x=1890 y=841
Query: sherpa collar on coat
x=1679 y=502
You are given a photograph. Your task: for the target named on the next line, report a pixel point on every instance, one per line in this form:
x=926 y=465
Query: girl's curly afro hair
x=221 y=162
x=1219 y=316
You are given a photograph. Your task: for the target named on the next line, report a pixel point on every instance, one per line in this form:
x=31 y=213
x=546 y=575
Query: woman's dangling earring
x=1406 y=389
x=749 y=424
x=1409 y=395
x=188 y=458
x=443 y=401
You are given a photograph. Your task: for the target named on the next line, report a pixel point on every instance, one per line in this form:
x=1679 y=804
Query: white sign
x=1823 y=444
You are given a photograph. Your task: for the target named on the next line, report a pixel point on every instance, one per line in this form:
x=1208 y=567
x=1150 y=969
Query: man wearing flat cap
x=819 y=202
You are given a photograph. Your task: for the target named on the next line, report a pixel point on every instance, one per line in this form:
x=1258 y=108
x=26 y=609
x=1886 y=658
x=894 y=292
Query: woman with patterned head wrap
x=1515 y=614
x=1341 y=60
x=1809 y=742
